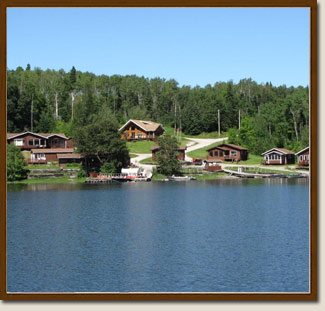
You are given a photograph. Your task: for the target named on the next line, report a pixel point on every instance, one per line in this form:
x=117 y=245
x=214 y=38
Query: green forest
x=256 y=116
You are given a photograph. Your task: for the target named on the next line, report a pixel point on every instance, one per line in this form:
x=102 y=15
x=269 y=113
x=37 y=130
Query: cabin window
x=31 y=142
x=126 y=135
x=211 y=153
x=216 y=153
x=36 y=142
x=221 y=153
x=275 y=157
x=234 y=153
x=42 y=142
x=39 y=156
x=19 y=142
x=139 y=135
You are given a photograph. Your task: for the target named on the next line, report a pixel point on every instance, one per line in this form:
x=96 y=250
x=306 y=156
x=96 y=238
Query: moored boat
x=180 y=178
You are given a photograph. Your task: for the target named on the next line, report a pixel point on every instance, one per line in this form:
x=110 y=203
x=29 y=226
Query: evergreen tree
x=16 y=165
x=166 y=157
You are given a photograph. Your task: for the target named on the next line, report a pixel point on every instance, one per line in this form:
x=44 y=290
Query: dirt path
x=197 y=143
x=193 y=144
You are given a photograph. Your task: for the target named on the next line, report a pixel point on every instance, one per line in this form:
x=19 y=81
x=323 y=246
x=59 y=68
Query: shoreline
x=82 y=180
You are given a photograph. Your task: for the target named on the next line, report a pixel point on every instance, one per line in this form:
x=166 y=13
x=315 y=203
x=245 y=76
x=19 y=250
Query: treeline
x=48 y=100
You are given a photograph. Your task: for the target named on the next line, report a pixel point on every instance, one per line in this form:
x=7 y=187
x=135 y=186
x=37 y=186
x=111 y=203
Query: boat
x=180 y=178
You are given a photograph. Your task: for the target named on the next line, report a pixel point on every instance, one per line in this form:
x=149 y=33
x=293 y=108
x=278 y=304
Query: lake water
x=231 y=235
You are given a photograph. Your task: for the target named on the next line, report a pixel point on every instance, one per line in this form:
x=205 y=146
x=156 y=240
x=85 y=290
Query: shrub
x=16 y=165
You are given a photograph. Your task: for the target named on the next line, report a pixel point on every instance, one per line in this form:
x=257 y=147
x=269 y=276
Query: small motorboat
x=181 y=178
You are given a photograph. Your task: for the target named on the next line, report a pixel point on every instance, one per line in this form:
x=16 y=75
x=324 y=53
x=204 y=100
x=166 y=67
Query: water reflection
x=223 y=235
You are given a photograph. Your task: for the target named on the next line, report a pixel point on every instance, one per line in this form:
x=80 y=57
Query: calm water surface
x=200 y=236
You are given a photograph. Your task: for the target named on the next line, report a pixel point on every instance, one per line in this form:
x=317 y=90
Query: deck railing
x=37 y=162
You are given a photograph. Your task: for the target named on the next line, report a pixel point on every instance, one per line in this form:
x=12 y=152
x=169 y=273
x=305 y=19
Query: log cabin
x=278 y=156
x=227 y=152
x=303 y=157
x=180 y=156
x=138 y=129
x=30 y=140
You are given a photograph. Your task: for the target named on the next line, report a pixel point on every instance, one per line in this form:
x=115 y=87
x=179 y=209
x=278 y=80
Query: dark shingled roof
x=231 y=146
x=70 y=156
x=181 y=148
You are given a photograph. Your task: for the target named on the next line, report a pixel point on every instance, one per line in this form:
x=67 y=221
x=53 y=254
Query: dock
x=242 y=174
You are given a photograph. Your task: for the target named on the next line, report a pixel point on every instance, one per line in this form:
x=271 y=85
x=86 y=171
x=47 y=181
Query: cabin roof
x=303 y=150
x=232 y=146
x=70 y=156
x=53 y=150
x=147 y=126
x=181 y=148
x=42 y=135
x=279 y=150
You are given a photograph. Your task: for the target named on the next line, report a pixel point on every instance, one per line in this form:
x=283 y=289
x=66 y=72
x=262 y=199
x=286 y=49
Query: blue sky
x=194 y=46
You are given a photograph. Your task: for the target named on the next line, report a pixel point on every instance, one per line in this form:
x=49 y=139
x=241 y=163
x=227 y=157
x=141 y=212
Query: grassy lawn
x=211 y=176
x=53 y=166
x=208 y=135
x=59 y=180
x=202 y=152
x=157 y=176
x=141 y=146
x=170 y=131
x=148 y=161
x=132 y=155
x=252 y=159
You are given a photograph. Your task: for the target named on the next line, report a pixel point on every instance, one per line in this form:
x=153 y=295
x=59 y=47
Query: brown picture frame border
x=311 y=296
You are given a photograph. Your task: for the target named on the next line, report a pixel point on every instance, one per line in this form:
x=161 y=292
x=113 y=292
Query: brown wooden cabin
x=278 y=156
x=303 y=157
x=67 y=158
x=138 y=129
x=43 y=156
x=180 y=156
x=30 y=140
x=227 y=152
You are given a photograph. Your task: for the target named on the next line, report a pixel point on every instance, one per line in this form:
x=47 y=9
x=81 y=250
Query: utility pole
x=180 y=124
x=72 y=101
x=239 y=120
x=175 y=125
x=219 y=122
x=31 y=114
x=56 y=106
